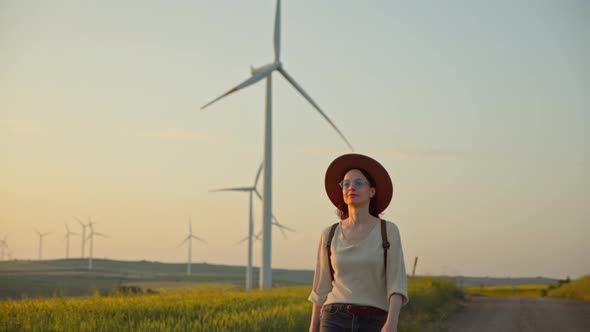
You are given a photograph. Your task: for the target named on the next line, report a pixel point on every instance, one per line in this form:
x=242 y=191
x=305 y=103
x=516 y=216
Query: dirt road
x=512 y=314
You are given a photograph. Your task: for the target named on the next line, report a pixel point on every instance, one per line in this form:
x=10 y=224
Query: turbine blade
x=258 y=194
x=233 y=189
x=258 y=173
x=183 y=241
x=260 y=74
x=100 y=234
x=79 y=221
x=277 y=35
x=242 y=240
x=198 y=238
x=306 y=96
x=282 y=226
x=218 y=98
x=275 y=219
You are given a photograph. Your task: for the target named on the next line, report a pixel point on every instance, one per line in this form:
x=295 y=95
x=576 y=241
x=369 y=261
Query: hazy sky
x=479 y=110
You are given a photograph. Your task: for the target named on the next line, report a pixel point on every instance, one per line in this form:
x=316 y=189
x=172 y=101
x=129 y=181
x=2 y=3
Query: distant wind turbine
x=67 y=238
x=252 y=190
x=91 y=238
x=190 y=238
x=41 y=235
x=257 y=236
x=83 y=235
x=257 y=75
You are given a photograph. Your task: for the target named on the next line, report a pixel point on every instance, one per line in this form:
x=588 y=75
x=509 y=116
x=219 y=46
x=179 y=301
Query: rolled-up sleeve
x=397 y=281
x=322 y=281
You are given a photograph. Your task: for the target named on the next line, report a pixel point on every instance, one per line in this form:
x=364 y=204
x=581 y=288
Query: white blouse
x=358 y=269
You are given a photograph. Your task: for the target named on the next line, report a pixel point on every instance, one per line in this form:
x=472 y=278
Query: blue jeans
x=337 y=319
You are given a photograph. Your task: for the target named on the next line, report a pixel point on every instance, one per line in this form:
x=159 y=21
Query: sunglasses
x=356 y=183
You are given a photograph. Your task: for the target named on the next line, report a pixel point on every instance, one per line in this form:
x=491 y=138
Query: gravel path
x=512 y=314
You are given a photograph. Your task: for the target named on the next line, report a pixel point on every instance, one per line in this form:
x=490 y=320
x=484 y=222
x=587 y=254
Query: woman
x=360 y=281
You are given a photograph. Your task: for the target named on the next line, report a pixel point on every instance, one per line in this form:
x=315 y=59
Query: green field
x=210 y=307
x=177 y=302
x=508 y=290
x=578 y=289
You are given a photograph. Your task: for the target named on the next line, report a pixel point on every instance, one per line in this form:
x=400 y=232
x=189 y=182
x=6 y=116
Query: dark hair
x=342 y=210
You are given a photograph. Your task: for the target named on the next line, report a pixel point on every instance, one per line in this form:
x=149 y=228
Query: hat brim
x=337 y=169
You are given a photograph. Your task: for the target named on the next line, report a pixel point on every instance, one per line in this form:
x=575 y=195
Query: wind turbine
x=83 y=234
x=257 y=236
x=91 y=237
x=41 y=235
x=190 y=238
x=251 y=190
x=67 y=237
x=257 y=75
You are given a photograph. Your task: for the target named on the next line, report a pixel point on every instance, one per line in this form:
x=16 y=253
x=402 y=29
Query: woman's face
x=353 y=194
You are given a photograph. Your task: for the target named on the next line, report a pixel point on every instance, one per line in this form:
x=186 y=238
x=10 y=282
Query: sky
x=480 y=112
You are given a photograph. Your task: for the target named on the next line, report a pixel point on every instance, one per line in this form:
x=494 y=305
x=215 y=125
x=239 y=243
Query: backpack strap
x=383 y=237
x=385 y=244
x=328 y=247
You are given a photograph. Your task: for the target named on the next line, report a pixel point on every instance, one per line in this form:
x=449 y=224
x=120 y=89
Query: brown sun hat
x=338 y=168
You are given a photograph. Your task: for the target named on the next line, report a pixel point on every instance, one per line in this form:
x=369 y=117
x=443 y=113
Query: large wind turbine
x=257 y=75
x=91 y=238
x=83 y=235
x=251 y=190
x=41 y=235
x=190 y=238
x=67 y=237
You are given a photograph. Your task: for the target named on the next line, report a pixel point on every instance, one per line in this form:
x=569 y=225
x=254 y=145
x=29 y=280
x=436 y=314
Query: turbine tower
x=257 y=75
x=91 y=238
x=251 y=190
x=67 y=238
x=190 y=238
x=41 y=235
x=83 y=235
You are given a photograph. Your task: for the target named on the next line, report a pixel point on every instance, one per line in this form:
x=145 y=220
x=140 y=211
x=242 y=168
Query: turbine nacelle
x=274 y=66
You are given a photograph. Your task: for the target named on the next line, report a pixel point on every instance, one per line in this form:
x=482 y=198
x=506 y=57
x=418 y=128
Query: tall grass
x=432 y=302
x=578 y=289
x=208 y=309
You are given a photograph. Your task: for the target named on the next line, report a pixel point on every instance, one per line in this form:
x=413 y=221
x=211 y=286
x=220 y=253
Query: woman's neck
x=359 y=215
